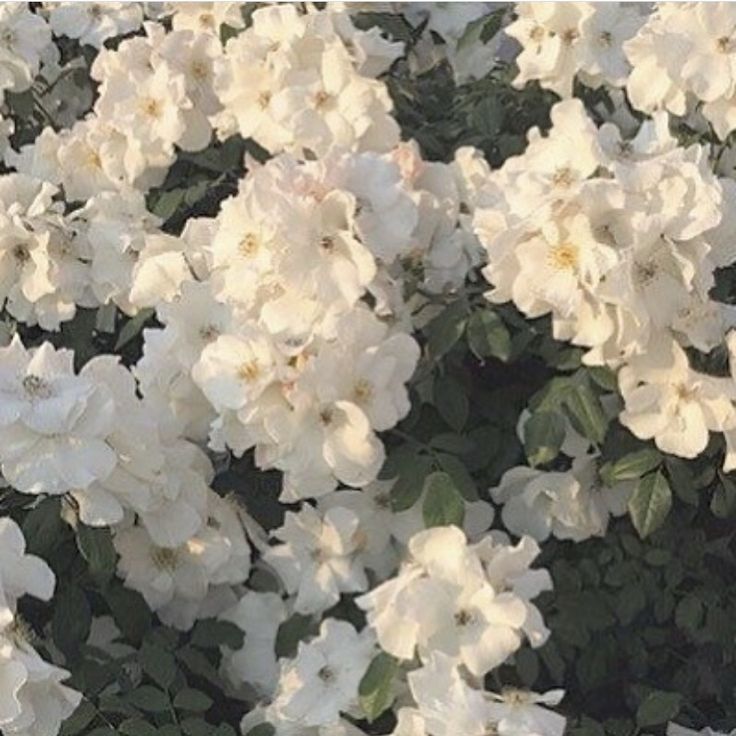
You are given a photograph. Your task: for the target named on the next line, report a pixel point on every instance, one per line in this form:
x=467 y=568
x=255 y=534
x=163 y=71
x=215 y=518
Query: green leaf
x=149 y=698
x=262 y=729
x=446 y=329
x=192 y=700
x=658 y=707
x=168 y=203
x=137 y=727
x=131 y=614
x=132 y=327
x=603 y=377
x=79 y=720
x=689 y=613
x=213 y=633
x=158 y=664
x=585 y=412
x=71 y=622
x=405 y=492
x=95 y=545
x=170 y=729
x=460 y=475
x=488 y=336
x=544 y=433
x=723 y=503
x=443 y=505
x=631 y=466
x=650 y=503
x=452 y=403
x=44 y=528
x=291 y=632
x=375 y=691
x=196 y=727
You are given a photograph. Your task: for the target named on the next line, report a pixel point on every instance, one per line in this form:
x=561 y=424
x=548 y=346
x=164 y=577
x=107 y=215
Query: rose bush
x=367 y=368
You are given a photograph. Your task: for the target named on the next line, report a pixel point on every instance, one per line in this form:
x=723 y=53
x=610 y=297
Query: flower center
x=165 y=558
x=36 y=387
x=151 y=108
x=464 y=618
x=321 y=99
x=199 y=70
x=569 y=36
x=206 y=20
x=249 y=370
x=209 y=333
x=645 y=273
x=327 y=243
x=537 y=34
x=249 y=245
x=363 y=391
x=563 y=178
x=723 y=45
x=564 y=257
x=21 y=253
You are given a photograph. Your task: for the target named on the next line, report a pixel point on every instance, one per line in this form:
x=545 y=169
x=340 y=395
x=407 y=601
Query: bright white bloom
x=686 y=54
x=322 y=680
x=53 y=423
x=259 y=615
x=443 y=600
x=205 y=17
x=25 y=37
x=20 y=573
x=94 y=23
x=447 y=705
x=562 y=40
x=175 y=581
x=320 y=557
x=156 y=92
x=574 y=504
x=295 y=82
x=676 y=406
x=33 y=702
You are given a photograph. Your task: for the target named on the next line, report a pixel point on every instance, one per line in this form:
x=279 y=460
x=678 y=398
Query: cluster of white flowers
x=619 y=240
x=561 y=42
x=463 y=608
x=677 y=57
x=574 y=504
x=297 y=83
x=178 y=540
x=33 y=701
x=685 y=56
x=269 y=337
x=286 y=326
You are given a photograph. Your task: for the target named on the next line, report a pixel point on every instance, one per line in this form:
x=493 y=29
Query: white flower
x=259 y=615
x=320 y=557
x=53 y=424
x=443 y=601
x=304 y=87
x=322 y=680
x=520 y=711
x=94 y=23
x=20 y=573
x=175 y=581
x=25 y=37
x=668 y=401
x=33 y=702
